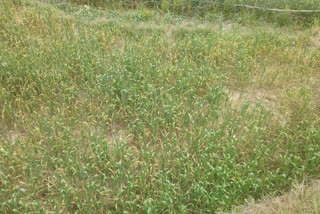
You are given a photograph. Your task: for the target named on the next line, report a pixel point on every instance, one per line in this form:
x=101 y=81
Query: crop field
x=112 y=109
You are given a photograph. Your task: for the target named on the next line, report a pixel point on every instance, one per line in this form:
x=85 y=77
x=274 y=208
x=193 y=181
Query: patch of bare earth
x=315 y=83
x=264 y=97
x=316 y=39
x=267 y=97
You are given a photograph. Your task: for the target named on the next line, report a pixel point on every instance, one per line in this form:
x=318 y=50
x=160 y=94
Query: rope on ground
x=221 y=3
x=259 y=8
x=277 y=10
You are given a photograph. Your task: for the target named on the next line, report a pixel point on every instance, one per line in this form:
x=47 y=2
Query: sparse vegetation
x=145 y=111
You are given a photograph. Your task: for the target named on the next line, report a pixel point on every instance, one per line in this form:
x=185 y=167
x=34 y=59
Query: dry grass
x=301 y=199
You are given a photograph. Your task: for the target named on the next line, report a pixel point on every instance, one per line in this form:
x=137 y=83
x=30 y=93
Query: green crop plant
x=146 y=111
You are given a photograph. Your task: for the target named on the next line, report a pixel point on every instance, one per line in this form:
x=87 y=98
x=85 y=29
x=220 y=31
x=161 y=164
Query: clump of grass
x=99 y=114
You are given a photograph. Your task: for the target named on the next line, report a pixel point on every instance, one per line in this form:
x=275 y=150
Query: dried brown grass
x=301 y=199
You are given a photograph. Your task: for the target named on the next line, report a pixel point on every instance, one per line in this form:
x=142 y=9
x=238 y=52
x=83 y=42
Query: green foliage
x=110 y=111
